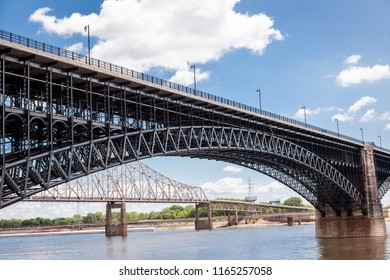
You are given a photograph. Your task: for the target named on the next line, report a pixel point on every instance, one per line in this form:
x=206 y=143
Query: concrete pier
x=357 y=224
x=116 y=229
x=232 y=221
x=203 y=223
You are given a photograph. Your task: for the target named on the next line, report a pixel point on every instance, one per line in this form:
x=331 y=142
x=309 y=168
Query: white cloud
x=227 y=185
x=172 y=34
x=364 y=101
x=238 y=188
x=355 y=108
x=78 y=47
x=343 y=117
x=387 y=127
x=186 y=76
x=232 y=168
x=271 y=187
x=300 y=114
x=368 y=116
x=357 y=75
x=385 y=116
x=353 y=59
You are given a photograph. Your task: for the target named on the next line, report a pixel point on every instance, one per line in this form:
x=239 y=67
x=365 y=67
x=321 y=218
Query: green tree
x=293 y=201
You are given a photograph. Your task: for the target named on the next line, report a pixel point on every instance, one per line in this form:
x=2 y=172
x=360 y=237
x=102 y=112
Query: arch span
x=260 y=151
x=384 y=188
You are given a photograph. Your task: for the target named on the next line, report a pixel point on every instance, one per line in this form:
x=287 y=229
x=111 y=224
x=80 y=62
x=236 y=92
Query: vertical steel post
x=124 y=109
x=51 y=105
x=2 y=90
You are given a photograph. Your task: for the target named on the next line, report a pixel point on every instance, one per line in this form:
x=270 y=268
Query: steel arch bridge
x=65 y=116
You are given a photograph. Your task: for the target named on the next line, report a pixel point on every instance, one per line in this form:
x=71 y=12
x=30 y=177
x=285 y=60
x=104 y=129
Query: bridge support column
x=201 y=224
x=116 y=229
x=357 y=224
x=235 y=218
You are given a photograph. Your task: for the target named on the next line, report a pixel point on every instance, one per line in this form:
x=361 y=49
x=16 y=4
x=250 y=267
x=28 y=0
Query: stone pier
x=118 y=229
x=357 y=224
x=203 y=223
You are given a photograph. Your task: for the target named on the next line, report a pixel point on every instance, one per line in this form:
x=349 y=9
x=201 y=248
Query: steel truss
x=238 y=206
x=41 y=172
x=131 y=182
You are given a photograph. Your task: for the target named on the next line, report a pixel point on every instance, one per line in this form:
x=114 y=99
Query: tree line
x=172 y=212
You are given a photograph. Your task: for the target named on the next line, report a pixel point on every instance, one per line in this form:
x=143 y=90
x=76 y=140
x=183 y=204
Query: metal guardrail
x=31 y=43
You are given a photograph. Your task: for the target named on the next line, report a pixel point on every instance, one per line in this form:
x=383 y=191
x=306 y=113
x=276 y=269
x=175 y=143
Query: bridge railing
x=31 y=43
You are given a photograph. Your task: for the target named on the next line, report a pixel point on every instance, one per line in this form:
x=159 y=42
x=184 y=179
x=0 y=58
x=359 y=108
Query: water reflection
x=373 y=248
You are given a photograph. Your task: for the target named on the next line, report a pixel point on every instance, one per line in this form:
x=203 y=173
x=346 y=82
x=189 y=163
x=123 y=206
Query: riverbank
x=145 y=227
x=139 y=227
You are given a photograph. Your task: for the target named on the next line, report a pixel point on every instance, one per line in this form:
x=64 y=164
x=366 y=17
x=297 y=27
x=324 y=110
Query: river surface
x=262 y=243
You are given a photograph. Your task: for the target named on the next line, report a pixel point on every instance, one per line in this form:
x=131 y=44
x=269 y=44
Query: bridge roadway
x=63 y=118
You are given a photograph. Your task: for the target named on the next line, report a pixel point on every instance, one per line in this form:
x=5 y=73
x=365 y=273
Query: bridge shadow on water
x=370 y=248
x=374 y=248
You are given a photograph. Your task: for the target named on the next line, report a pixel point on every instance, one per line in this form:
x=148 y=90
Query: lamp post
x=86 y=29
x=380 y=140
x=338 y=131
x=304 y=113
x=259 y=92
x=361 y=129
x=193 y=67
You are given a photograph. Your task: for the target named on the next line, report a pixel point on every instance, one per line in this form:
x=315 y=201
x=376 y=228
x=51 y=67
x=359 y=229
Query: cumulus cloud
x=172 y=34
x=300 y=114
x=78 y=47
x=342 y=117
x=387 y=127
x=368 y=116
x=364 y=101
x=351 y=114
x=238 y=188
x=353 y=59
x=385 y=116
x=232 y=168
x=357 y=75
x=186 y=76
x=227 y=185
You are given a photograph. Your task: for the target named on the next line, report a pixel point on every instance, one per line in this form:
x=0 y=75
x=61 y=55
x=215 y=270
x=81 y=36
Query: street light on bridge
x=380 y=140
x=304 y=113
x=338 y=131
x=86 y=29
x=193 y=67
x=259 y=92
x=361 y=129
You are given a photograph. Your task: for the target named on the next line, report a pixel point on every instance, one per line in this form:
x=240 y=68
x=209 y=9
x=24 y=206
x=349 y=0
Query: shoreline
x=169 y=226
x=47 y=231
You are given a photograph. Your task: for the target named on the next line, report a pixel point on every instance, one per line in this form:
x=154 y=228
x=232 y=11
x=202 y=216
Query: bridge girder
x=42 y=171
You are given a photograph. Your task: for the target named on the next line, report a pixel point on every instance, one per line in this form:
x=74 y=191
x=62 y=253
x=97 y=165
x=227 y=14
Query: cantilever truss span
x=131 y=182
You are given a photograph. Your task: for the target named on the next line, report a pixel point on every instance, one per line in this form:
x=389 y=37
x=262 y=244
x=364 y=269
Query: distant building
x=274 y=202
x=251 y=198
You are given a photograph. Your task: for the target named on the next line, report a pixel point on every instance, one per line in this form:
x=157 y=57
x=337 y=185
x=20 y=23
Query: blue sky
x=330 y=56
